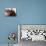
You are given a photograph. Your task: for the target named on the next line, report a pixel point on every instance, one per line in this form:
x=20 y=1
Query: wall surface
x=28 y=12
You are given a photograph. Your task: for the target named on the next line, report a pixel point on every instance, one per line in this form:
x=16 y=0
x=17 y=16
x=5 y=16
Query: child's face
x=7 y=12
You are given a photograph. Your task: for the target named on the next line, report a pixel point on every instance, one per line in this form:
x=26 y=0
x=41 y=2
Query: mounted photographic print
x=32 y=32
x=10 y=12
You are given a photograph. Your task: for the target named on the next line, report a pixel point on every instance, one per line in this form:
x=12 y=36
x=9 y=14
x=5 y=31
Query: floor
x=28 y=43
x=7 y=45
x=34 y=43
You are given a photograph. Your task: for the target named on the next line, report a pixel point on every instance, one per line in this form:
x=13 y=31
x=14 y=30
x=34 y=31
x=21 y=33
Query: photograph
x=30 y=33
x=10 y=12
